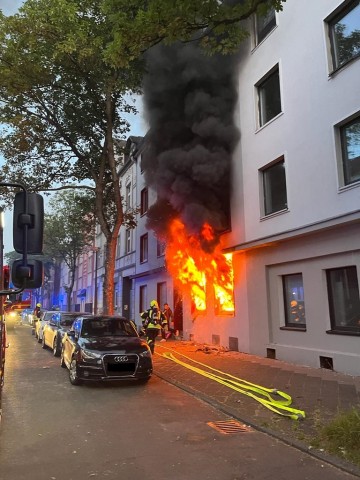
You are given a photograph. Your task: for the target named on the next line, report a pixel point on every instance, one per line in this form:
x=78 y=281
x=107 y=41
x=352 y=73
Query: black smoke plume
x=189 y=99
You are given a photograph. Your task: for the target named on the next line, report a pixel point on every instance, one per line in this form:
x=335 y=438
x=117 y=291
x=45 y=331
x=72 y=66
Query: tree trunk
x=108 y=286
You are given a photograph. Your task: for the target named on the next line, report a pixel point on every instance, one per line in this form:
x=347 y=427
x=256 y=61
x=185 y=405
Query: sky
x=138 y=128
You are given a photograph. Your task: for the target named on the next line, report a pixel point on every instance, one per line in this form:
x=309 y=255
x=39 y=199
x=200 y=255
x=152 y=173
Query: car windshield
x=105 y=327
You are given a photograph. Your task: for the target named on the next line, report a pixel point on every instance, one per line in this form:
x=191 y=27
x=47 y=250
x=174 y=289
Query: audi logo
x=121 y=358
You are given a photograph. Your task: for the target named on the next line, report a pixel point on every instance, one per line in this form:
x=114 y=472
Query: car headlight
x=89 y=354
x=145 y=353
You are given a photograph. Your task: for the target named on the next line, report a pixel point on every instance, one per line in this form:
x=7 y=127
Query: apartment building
x=295 y=200
x=295 y=205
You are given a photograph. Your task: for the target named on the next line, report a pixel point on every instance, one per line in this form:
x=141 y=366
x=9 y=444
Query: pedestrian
x=168 y=333
x=153 y=320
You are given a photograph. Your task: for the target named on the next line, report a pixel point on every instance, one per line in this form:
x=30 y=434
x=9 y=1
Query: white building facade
x=295 y=233
x=295 y=201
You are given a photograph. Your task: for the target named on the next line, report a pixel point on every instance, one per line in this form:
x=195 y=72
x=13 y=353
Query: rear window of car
x=106 y=327
x=67 y=320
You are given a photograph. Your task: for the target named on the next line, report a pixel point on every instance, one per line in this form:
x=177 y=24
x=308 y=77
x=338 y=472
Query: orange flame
x=194 y=269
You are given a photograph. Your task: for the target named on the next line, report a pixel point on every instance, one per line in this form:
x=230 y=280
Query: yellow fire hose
x=280 y=406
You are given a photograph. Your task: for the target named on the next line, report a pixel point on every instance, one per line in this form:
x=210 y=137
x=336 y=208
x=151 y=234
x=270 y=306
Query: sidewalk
x=319 y=392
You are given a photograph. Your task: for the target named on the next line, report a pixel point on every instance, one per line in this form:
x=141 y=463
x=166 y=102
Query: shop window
x=294 y=301
x=264 y=24
x=344 y=301
x=350 y=151
x=269 y=99
x=274 y=188
x=344 y=33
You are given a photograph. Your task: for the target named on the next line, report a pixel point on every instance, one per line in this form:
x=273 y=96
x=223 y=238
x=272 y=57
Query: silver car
x=39 y=323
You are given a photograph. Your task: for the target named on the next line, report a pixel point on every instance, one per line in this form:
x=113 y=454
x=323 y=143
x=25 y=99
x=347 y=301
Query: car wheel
x=62 y=361
x=43 y=342
x=73 y=373
x=56 y=352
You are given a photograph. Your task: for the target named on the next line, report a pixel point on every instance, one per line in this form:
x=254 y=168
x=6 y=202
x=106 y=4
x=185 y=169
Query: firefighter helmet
x=38 y=304
x=154 y=304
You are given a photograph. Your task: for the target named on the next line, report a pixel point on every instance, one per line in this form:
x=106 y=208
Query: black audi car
x=105 y=348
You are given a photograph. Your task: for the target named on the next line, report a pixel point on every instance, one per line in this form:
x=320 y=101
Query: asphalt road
x=52 y=430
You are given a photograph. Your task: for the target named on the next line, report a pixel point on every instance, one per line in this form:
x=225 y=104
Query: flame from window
x=194 y=270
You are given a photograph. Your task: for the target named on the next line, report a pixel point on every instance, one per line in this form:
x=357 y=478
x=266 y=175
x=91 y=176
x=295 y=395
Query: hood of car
x=107 y=344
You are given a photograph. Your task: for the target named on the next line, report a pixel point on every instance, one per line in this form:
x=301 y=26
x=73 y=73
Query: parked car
x=39 y=323
x=27 y=316
x=54 y=330
x=105 y=348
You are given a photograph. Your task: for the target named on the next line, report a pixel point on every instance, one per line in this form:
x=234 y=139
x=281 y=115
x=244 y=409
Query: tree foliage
x=69 y=230
x=66 y=67
x=62 y=106
x=216 y=25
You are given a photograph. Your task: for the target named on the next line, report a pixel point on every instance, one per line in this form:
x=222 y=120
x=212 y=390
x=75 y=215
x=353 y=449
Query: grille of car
x=120 y=365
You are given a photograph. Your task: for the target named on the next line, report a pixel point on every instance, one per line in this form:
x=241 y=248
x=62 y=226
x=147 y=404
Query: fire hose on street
x=263 y=395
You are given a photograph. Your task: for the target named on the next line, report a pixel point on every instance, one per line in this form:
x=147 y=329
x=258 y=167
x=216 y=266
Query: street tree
x=69 y=231
x=66 y=69
x=62 y=108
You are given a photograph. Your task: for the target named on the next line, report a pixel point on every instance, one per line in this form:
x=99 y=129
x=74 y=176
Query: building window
x=143 y=304
x=350 y=149
x=118 y=245
x=274 y=188
x=128 y=196
x=160 y=248
x=144 y=248
x=127 y=241
x=161 y=294
x=294 y=302
x=344 y=32
x=144 y=201
x=264 y=24
x=344 y=301
x=269 y=96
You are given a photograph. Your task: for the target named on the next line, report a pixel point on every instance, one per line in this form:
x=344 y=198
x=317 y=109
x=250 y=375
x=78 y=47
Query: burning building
x=254 y=161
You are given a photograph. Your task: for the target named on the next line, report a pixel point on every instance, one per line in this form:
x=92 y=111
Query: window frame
x=264 y=32
x=144 y=248
x=334 y=326
x=128 y=196
x=332 y=20
x=261 y=99
x=143 y=303
x=144 y=201
x=343 y=151
x=264 y=207
x=160 y=248
x=128 y=238
x=287 y=304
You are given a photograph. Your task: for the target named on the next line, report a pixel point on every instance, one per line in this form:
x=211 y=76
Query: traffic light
x=6 y=277
x=29 y=275
x=29 y=215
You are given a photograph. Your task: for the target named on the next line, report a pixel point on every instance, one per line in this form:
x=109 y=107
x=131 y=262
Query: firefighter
x=36 y=313
x=153 y=320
